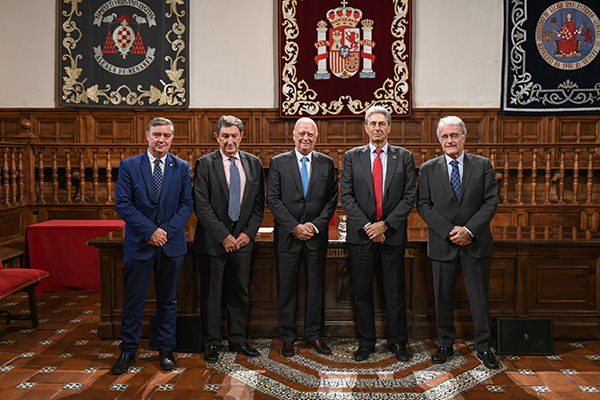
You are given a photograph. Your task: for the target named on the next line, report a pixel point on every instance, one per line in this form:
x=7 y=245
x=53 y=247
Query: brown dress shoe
x=320 y=347
x=287 y=350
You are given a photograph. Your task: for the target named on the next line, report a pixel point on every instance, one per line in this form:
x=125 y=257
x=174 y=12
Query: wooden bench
x=13 y=280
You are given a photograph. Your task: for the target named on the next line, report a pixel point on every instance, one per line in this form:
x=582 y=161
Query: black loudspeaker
x=188 y=334
x=525 y=336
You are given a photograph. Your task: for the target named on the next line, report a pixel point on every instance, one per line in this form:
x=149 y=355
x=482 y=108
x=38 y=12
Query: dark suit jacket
x=285 y=198
x=211 y=195
x=138 y=206
x=439 y=208
x=358 y=196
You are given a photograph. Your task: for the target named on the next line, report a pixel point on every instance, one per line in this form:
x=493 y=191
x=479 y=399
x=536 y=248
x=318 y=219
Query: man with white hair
x=302 y=194
x=457 y=197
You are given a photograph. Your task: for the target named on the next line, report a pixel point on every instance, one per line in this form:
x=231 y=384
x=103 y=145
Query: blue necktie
x=304 y=175
x=455 y=178
x=157 y=176
x=234 y=191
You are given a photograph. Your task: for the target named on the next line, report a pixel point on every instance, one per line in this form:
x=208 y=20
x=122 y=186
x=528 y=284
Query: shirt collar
x=226 y=158
x=384 y=148
x=152 y=158
x=460 y=159
x=300 y=155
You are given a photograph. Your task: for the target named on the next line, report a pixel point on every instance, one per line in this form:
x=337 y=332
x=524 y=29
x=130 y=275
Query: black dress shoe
x=167 y=361
x=320 y=347
x=400 y=352
x=441 y=355
x=123 y=363
x=488 y=359
x=363 y=352
x=244 y=348
x=287 y=350
x=211 y=353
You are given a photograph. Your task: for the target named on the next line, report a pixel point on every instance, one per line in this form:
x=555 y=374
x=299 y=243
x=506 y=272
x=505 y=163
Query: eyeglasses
x=452 y=136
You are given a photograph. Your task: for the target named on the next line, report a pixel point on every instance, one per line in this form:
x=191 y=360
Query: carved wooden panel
x=58 y=128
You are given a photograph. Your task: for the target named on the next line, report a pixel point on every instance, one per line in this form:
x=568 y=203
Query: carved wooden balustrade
x=86 y=174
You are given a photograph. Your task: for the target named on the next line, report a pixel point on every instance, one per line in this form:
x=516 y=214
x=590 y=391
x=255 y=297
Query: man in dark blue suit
x=302 y=194
x=154 y=198
x=229 y=194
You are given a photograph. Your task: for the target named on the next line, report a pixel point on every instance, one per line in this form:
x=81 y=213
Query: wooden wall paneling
x=10 y=125
x=112 y=128
x=13 y=222
x=53 y=127
x=573 y=130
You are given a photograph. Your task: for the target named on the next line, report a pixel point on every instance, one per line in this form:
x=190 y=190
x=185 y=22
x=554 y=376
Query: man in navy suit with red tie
x=378 y=193
x=154 y=198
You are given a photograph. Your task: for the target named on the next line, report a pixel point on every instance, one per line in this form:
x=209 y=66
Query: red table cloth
x=59 y=247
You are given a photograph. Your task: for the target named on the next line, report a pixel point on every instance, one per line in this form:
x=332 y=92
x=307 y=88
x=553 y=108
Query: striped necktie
x=378 y=183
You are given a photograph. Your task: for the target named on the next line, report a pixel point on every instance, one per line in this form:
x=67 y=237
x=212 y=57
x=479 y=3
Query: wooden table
x=537 y=272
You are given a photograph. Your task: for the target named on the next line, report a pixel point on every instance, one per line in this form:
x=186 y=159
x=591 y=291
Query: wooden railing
x=36 y=174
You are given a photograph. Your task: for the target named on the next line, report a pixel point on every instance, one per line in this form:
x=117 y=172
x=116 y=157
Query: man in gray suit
x=378 y=193
x=302 y=194
x=457 y=198
x=229 y=193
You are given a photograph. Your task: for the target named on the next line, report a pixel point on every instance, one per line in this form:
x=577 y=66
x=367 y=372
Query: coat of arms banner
x=551 y=61
x=123 y=53
x=337 y=58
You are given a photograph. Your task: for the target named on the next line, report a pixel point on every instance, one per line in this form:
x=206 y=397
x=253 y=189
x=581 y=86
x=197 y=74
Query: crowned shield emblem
x=345 y=44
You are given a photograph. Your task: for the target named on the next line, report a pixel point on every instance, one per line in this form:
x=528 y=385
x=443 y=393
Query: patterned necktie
x=455 y=178
x=157 y=176
x=234 y=191
x=378 y=183
x=304 y=175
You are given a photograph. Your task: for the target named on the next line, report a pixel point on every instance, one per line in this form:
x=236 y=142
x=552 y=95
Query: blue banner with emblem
x=551 y=60
x=123 y=53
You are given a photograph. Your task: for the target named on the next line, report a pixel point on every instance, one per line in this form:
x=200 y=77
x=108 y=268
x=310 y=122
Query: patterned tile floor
x=63 y=358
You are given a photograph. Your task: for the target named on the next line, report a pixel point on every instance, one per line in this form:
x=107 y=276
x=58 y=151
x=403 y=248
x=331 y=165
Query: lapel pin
x=394 y=157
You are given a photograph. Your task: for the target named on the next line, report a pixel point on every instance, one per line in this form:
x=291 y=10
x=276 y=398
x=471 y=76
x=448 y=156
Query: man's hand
x=242 y=240
x=304 y=231
x=158 y=238
x=379 y=238
x=230 y=244
x=376 y=230
x=460 y=236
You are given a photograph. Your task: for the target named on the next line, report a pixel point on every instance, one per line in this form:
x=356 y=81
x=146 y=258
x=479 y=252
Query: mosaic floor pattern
x=64 y=359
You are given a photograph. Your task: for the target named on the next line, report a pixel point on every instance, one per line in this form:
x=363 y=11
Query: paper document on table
x=265 y=229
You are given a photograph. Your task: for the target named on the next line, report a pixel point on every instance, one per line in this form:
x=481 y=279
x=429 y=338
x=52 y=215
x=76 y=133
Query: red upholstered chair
x=14 y=280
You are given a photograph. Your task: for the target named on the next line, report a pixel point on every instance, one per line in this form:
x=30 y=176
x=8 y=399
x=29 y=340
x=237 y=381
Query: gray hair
x=378 y=110
x=158 y=121
x=452 y=121
x=227 y=121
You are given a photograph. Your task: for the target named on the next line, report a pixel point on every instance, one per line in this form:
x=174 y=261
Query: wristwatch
x=387 y=224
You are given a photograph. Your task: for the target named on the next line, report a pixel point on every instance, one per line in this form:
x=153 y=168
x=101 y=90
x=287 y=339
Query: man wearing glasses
x=458 y=197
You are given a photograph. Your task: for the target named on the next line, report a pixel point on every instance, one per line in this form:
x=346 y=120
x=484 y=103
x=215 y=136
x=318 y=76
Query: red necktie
x=378 y=183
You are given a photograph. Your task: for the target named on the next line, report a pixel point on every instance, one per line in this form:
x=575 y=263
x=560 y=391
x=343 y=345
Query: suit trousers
x=137 y=277
x=362 y=266
x=231 y=270
x=476 y=273
x=288 y=266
